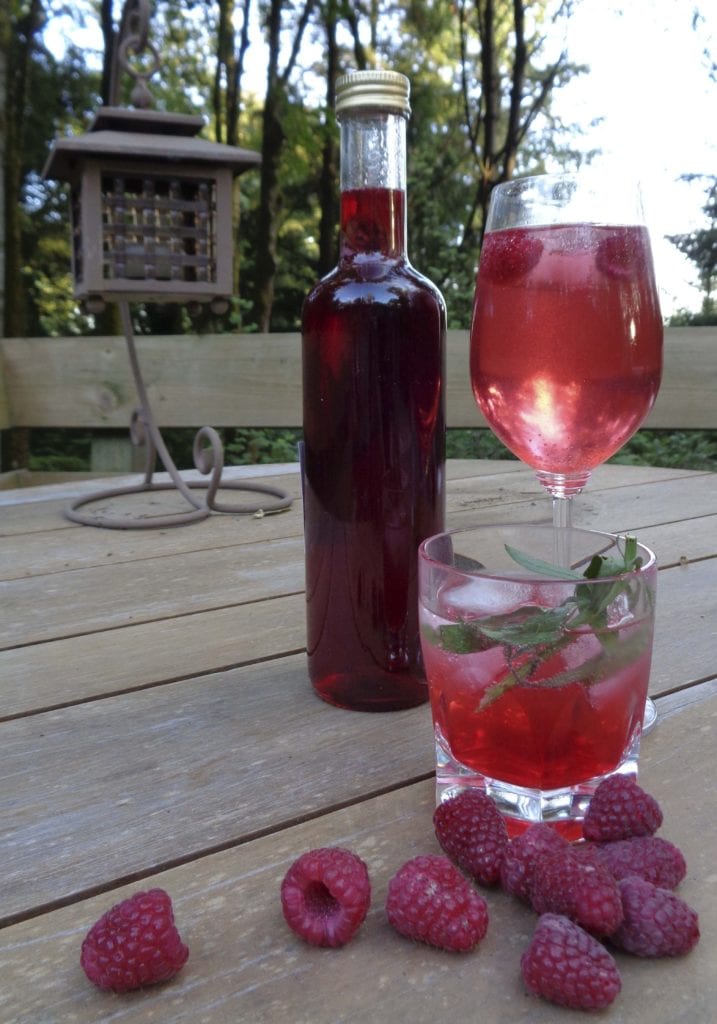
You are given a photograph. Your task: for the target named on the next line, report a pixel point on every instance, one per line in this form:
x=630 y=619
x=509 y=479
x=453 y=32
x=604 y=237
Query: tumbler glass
x=538 y=673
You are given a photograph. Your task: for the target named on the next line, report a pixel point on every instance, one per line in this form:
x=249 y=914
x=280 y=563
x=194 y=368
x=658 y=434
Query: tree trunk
x=5 y=37
x=109 y=35
x=510 y=98
x=271 y=150
x=328 y=181
x=269 y=205
x=16 y=111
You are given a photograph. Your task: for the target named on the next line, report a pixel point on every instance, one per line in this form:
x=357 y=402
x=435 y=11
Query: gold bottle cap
x=382 y=90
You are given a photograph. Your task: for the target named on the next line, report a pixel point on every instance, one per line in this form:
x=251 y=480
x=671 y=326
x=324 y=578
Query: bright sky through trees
x=649 y=81
x=648 y=104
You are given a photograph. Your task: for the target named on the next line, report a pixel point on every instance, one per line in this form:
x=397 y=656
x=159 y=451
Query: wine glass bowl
x=566 y=336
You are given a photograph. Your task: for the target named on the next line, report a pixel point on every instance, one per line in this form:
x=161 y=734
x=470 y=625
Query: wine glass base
x=649 y=720
x=560 y=485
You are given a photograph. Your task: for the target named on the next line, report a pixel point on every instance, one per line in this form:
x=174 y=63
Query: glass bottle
x=374 y=420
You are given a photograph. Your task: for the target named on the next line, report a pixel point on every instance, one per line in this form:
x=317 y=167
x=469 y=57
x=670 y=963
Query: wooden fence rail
x=254 y=380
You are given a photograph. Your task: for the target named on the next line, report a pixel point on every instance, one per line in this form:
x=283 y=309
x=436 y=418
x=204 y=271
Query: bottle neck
x=373 y=183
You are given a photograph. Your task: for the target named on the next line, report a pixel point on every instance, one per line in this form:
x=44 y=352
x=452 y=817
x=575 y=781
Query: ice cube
x=480 y=595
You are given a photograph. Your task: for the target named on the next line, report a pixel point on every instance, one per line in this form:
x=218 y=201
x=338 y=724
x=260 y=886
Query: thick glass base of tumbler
x=521 y=807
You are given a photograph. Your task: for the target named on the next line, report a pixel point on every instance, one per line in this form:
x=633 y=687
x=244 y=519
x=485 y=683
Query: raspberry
x=430 y=900
x=572 y=885
x=620 y=809
x=472 y=832
x=569 y=967
x=134 y=943
x=656 y=922
x=620 y=255
x=509 y=256
x=516 y=869
x=649 y=857
x=325 y=896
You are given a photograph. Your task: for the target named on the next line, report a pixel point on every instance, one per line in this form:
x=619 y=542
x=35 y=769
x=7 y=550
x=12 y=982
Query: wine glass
x=566 y=336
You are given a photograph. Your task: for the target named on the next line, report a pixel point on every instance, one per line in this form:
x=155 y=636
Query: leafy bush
x=248 y=446
x=676 y=449
x=477 y=443
x=69 y=450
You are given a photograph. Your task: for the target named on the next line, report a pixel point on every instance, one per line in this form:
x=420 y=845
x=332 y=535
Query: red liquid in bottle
x=374 y=450
x=566 y=341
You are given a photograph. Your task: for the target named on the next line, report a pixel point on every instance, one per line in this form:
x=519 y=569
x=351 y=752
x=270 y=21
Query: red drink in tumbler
x=541 y=737
x=373 y=361
x=566 y=341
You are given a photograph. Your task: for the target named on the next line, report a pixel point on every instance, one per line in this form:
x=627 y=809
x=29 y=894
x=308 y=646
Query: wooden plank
x=66 y=545
x=183 y=769
x=675 y=703
x=246 y=966
x=685 y=647
x=202 y=743
x=142 y=585
x=28 y=509
x=688 y=394
x=255 y=380
x=79 y=601
x=687 y=397
x=224 y=380
x=59 y=672
x=63 y=671
x=653 y=508
x=36 y=553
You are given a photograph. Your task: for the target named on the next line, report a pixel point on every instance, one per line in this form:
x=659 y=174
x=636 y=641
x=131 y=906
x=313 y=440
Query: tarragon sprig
x=531 y=635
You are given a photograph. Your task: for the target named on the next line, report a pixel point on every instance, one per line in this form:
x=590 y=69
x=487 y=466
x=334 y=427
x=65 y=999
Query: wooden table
x=157 y=729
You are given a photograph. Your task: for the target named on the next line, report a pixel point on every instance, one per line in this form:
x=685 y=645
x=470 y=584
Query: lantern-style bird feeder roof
x=129 y=134
x=151 y=208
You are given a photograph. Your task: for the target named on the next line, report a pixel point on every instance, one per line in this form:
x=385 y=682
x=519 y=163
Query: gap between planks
x=196 y=855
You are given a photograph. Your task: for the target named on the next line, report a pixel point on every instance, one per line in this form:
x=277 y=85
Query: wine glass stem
x=562 y=521
x=562 y=511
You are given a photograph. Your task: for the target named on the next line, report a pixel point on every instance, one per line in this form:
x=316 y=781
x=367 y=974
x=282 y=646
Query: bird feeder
x=151 y=217
x=151 y=208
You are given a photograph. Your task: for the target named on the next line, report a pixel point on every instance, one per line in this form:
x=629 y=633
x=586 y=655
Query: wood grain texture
x=183 y=767
x=122 y=580
x=216 y=743
x=255 y=380
x=159 y=729
x=78 y=601
x=245 y=966
x=86 y=667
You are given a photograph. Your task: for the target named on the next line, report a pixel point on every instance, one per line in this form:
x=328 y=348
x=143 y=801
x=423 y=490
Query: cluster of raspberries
x=616 y=887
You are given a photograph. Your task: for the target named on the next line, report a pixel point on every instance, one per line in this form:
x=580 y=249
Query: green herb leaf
x=464 y=638
x=530 y=626
x=541 y=567
x=531 y=635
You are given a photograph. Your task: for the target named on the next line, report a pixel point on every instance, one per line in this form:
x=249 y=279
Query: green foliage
x=478 y=443
x=422 y=39
x=70 y=449
x=251 y=446
x=678 y=449
x=59 y=450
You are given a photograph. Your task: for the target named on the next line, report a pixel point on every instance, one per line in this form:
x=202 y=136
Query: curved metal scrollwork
x=209 y=460
x=133 y=38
